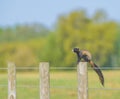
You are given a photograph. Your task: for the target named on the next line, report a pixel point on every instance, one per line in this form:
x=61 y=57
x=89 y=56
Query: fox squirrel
x=86 y=56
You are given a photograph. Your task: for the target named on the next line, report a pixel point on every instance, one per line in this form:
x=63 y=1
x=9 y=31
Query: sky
x=46 y=12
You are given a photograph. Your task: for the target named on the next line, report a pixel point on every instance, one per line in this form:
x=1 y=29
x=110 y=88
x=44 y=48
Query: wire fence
x=59 y=68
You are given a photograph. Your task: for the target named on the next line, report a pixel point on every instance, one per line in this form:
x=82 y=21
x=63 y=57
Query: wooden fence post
x=44 y=80
x=82 y=80
x=11 y=81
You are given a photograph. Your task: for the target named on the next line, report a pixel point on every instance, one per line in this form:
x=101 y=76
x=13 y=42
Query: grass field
x=63 y=85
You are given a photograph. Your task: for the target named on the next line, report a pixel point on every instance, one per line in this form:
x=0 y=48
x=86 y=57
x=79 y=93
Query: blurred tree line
x=29 y=44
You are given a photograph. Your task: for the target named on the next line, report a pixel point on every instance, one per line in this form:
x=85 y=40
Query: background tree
x=78 y=30
x=28 y=44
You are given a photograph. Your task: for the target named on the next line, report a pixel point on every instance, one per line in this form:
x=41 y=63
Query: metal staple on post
x=82 y=80
x=11 y=81
x=44 y=80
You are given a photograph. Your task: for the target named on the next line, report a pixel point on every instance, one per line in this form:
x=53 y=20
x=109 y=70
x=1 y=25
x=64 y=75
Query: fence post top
x=11 y=64
x=44 y=63
x=82 y=62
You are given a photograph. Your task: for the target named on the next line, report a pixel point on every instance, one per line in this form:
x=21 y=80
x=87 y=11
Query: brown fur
x=86 y=56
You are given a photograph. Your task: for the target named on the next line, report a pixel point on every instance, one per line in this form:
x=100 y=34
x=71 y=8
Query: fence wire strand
x=60 y=68
x=60 y=87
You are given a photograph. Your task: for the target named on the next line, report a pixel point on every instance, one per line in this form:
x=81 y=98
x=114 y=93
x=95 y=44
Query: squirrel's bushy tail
x=98 y=71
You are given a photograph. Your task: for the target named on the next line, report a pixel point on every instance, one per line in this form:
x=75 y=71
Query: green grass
x=63 y=85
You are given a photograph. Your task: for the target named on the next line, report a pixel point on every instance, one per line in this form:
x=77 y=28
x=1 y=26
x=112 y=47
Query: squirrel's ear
x=77 y=48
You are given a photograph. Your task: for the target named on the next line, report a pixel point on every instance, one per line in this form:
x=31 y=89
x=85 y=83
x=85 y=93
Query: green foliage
x=23 y=32
x=116 y=54
x=79 y=30
x=29 y=44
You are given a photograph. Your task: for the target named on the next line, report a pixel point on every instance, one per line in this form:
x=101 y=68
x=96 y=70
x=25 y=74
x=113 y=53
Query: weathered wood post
x=11 y=81
x=44 y=80
x=82 y=80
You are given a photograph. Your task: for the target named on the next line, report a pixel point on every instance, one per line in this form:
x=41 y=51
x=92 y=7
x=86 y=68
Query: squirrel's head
x=76 y=50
